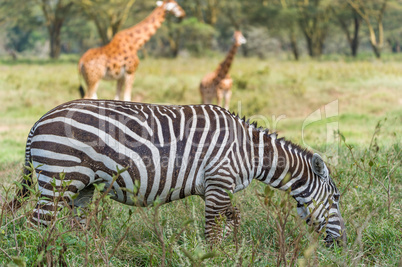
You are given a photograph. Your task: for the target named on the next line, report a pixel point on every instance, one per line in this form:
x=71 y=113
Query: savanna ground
x=307 y=102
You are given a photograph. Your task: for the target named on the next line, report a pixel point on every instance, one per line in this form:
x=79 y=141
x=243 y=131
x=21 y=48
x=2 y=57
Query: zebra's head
x=319 y=203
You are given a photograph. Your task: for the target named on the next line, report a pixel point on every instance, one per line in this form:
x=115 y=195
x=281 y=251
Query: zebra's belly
x=138 y=195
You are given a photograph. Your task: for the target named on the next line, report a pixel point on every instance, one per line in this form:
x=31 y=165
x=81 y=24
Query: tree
x=55 y=13
x=313 y=19
x=372 y=12
x=310 y=17
x=349 y=21
x=108 y=16
x=22 y=24
x=206 y=11
x=288 y=18
x=393 y=27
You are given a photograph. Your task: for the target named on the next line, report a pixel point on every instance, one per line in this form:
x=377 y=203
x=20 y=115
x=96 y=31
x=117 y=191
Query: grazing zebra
x=173 y=152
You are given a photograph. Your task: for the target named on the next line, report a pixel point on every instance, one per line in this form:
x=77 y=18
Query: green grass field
x=307 y=102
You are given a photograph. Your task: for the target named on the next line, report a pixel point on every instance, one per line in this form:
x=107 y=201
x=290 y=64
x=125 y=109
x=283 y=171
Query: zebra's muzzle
x=341 y=240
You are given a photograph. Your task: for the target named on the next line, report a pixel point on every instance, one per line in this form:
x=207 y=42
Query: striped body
x=173 y=152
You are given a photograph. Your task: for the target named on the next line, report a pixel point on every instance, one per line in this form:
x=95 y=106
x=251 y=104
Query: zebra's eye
x=336 y=197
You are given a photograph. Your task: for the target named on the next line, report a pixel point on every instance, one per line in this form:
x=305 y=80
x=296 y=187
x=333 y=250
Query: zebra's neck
x=282 y=164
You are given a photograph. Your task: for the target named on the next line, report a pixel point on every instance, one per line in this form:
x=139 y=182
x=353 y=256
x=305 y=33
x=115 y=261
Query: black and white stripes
x=174 y=152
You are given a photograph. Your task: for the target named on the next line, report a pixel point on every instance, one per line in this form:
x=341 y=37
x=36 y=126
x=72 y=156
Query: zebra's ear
x=319 y=166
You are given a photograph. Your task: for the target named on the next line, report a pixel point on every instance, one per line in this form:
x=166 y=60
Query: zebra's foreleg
x=232 y=215
x=220 y=215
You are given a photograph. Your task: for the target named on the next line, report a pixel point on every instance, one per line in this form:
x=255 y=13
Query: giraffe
x=118 y=59
x=219 y=83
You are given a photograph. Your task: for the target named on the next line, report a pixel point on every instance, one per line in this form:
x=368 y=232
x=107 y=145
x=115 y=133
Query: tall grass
x=270 y=232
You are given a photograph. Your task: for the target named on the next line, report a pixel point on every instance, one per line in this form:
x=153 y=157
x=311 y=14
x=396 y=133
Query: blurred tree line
x=314 y=27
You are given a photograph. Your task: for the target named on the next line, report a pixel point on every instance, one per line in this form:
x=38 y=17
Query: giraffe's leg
x=219 y=96
x=207 y=100
x=220 y=216
x=128 y=83
x=92 y=74
x=207 y=94
x=120 y=84
x=228 y=96
x=91 y=93
x=202 y=95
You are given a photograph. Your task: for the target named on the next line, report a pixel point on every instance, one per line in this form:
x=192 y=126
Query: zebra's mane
x=274 y=135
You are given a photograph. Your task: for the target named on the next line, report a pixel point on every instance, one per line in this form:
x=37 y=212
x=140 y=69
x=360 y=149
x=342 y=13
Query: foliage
x=291 y=23
x=270 y=233
x=108 y=16
x=197 y=36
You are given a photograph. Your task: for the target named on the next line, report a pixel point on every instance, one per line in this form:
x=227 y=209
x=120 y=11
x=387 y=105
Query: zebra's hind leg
x=80 y=204
x=53 y=197
x=47 y=208
x=220 y=216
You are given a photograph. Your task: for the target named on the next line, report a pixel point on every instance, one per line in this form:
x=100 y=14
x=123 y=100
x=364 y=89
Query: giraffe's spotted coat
x=118 y=60
x=218 y=84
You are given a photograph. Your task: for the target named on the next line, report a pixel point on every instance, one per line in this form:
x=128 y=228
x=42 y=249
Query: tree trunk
x=293 y=45
x=198 y=11
x=309 y=45
x=314 y=45
x=54 y=20
x=55 y=40
x=212 y=12
x=376 y=50
x=174 y=39
x=101 y=31
x=354 y=44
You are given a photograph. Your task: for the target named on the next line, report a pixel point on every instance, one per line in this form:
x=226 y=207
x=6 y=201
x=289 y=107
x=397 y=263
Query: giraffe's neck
x=224 y=67
x=140 y=33
x=282 y=164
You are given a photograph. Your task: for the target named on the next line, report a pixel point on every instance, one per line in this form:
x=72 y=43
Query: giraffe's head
x=318 y=204
x=173 y=7
x=239 y=38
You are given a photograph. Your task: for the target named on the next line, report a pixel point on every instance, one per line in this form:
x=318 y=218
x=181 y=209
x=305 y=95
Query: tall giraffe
x=219 y=83
x=118 y=59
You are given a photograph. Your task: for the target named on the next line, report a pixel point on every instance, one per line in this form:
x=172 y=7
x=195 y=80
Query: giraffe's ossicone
x=118 y=59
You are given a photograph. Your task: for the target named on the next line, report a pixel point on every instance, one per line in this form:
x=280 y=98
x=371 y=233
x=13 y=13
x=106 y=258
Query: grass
x=324 y=96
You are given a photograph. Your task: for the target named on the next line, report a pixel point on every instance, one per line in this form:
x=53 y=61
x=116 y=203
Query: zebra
x=171 y=152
